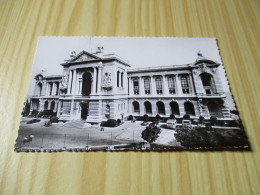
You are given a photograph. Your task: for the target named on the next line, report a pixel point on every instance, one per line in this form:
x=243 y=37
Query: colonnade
x=76 y=80
x=52 y=88
x=164 y=83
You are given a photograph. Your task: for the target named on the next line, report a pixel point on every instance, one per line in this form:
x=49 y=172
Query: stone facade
x=97 y=86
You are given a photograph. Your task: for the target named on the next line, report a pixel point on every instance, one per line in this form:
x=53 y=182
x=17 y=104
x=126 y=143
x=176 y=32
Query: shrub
x=145 y=118
x=111 y=123
x=33 y=121
x=186 y=117
x=233 y=123
x=54 y=119
x=130 y=117
x=157 y=117
x=201 y=119
x=213 y=120
x=118 y=121
x=172 y=116
x=34 y=113
x=103 y=123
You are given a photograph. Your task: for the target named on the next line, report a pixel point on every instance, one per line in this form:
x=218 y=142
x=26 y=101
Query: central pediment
x=84 y=56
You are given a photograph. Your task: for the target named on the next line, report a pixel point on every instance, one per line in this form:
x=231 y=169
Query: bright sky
x=137 y=51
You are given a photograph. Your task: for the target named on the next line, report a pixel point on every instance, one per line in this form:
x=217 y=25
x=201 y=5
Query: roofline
x=95 y=60
x=53 y=76
x=160 y=68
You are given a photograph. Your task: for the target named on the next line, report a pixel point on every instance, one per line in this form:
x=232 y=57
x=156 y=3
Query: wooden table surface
x=235 y=23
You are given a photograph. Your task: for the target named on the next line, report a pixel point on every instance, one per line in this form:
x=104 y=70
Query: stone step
x=74 y=124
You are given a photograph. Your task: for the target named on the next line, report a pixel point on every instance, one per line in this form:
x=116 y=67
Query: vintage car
x=171 y=123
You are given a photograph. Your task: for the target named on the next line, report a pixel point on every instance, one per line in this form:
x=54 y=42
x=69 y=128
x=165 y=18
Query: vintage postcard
x=128 y=93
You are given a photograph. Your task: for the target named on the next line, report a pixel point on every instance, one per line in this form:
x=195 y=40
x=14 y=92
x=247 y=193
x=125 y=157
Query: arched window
x=208 y=83
x=147 y=89
x=189 y=108
x=52 y=105
x=148 y=107
x=136 y=107
x=175 y=108
x=46 y=104
x=86 y=84
x=118 y=73
x=122 y=79
x=214 y=109
x=160 y=108
x=158 y=82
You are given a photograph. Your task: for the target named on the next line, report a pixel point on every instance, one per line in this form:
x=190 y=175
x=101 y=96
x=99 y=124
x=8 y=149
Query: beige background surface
x=235 y=23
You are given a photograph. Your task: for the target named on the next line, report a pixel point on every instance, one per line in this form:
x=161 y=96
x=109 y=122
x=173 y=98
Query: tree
x=151 y=133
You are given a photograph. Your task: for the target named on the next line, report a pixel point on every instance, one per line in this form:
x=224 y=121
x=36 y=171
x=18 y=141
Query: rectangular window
x=136 y=86
x=185 y=84
x=171 y=85
x=158 y=82
x=147 y=86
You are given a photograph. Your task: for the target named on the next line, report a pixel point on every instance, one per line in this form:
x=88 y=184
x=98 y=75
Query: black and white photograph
x=128 y=93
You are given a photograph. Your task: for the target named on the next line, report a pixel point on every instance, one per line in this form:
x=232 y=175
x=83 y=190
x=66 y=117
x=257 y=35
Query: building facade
x=97 y=86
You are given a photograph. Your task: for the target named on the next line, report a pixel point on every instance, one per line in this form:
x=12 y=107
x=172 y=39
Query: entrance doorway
x=86 y=85
x=84 y=110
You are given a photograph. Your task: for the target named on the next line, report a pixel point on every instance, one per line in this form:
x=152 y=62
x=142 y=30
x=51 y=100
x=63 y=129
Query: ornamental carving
x=107 y=80
x=203 y=67
x=82 y=58
x=64 y=83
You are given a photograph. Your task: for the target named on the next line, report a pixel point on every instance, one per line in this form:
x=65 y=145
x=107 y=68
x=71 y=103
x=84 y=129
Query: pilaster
x=99 y=80
x=93 y=90
x=178 y=83
x=69 y=83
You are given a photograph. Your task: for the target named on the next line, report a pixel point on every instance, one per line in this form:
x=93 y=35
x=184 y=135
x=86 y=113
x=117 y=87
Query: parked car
x=171 y=123
x=186 y=123
x=145 y=123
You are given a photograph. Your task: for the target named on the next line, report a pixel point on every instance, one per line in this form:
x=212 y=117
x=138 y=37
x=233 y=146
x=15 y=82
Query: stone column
x=59 y=107
x=71 y=109
x=53 y=89
x=69 y=83
x=154 y=108
x=99 y=80
x=191 y=85
x=165 y=86
x=141 y=86
x=167 y=108
x=76 y=87
x=94 y=86
x=153 y=86
x=178 y=83
x=74 y=82
x=131 y=92
x=141 y=106
x=80 y=86
x=47 y=89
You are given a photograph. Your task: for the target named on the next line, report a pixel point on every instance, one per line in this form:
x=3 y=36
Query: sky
x=140 y=52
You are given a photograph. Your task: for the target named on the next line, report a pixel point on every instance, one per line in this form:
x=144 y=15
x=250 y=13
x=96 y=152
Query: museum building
x=98 y=86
